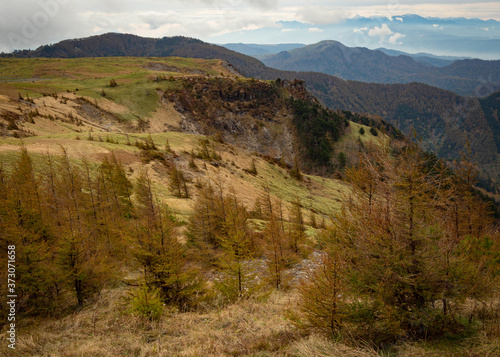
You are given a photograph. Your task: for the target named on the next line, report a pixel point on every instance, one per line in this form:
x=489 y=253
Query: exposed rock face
x=252 y=114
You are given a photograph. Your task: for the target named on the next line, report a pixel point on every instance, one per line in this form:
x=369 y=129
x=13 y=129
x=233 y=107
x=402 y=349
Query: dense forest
x=317 y=129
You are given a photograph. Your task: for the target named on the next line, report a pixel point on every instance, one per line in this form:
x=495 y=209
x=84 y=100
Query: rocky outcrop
x=252 y=114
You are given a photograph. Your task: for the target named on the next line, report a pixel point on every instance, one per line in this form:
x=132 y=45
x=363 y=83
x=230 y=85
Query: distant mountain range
x=466 y=77
x=423 y=57
x=443 y=120
x=260 y=51
x=256 y=50
x=458 y=37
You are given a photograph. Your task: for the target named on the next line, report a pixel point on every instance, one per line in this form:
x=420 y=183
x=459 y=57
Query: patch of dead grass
x=101 y=329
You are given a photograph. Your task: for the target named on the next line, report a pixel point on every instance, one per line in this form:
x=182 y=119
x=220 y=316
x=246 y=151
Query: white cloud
x=394 y=38
x=399 y=19
x=360 y=30
x=382 y=32
x=228 y=4
x=321 y=15
x=314 y=29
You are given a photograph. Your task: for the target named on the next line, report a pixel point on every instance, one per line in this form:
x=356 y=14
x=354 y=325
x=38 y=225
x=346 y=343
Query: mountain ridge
x=409 y=33
x=444 y=127
x=361 y=64
x=145 y=169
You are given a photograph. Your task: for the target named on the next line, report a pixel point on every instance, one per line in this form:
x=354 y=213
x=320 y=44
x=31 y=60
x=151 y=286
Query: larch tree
x=239 y=273
x=83 y=255
x=404 y=273
x=298 y=227
x=159 y=251
x=177 y=182
x=277 y=243
x=24 y=222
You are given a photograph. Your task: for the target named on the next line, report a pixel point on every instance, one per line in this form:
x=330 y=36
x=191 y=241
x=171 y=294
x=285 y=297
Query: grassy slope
x=90 y=76
x=136 y=96
x=322 y=195
x=260 y=327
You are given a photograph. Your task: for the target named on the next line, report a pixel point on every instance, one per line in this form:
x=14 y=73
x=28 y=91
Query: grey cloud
x=155 y=19
x=28 y=24
x=321 y=15
x=235 y=4
x=224 y=24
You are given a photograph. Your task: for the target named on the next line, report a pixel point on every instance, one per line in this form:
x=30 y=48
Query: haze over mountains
x=256 y=50
x=409 y=33
x=465 y=77
x=443 y=120
x=259 y=51
x=423 y=57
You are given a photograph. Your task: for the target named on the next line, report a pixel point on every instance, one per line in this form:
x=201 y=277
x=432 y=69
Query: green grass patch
x=324 y=198
x=136 y=90
x=355 y=135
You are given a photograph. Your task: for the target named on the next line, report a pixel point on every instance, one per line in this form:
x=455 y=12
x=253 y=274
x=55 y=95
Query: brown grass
x=243 y=329
x=318 y=346
x=246 y=328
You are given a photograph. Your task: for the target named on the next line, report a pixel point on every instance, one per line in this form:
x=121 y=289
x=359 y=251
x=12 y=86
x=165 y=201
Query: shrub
x=145 y=302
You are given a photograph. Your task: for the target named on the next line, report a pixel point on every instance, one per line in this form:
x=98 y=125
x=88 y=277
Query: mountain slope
x=443 y=120
x=334 y=58
x=423 y=57
x=118 y=45
x=444 y=124
x=202 y=97
x=465 y=77
x=149 y=170
x=255 y=49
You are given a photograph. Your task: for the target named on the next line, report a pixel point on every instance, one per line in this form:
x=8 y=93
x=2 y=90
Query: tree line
x=80 y=227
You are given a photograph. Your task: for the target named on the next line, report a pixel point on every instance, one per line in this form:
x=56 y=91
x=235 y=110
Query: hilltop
x=98 y=106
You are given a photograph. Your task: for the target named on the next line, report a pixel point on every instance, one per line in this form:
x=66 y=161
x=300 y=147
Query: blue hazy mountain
x=465 y=77
x=457 y=37
x=424 y=57
x=255 y=49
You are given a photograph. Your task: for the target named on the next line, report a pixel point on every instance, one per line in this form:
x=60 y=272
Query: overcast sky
x=31 y=23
